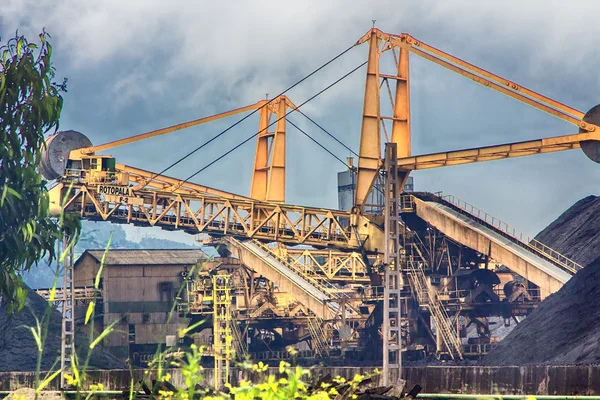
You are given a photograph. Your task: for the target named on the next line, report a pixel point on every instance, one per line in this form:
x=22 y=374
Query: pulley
x=591 y=148
x=58 y=147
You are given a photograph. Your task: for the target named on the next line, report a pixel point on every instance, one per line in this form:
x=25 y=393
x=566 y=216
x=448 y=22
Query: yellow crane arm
x=163 y=131
x=142 y=178
x=497 y=152
x=483 y=77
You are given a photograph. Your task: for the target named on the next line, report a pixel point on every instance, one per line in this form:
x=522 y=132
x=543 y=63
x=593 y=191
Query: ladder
x=222 y=334
x=427 y=297
x=393 y=259
x=318 y=336
x=241 y=349
x=67 y=347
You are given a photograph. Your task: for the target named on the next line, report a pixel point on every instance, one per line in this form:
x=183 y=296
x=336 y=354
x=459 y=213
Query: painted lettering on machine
x=114 y=190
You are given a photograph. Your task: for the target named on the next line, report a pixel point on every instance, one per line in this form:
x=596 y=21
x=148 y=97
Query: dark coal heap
x=18 y=349
x=565 y=328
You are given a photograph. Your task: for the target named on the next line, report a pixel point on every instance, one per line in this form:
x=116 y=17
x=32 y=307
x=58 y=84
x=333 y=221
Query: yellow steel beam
x=163 y=131
x=276 y=182
x=481 y=76
x=168 y=184
x=203 y=213
x=332 y=265
x=401 y=119
x=498 y=79
x=497 y=152
x=258 y=185
x=369 y=160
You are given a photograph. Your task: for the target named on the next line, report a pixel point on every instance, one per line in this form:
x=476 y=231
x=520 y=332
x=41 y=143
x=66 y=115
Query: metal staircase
x=524 y=240
x=427 y=297
x=334 y=295
x=318 y=336
x=239 y=345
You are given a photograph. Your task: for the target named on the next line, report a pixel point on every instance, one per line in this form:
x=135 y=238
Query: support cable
x=319 y=144
x=327 y=150
x=249 y=115
x=272 y=123
x=325 y=130
x=354 y=171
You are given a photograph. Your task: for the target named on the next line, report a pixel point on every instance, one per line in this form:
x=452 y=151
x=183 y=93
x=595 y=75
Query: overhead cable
x=331 y=135
x=272 y=123
x=317 y=142
x=252 y=113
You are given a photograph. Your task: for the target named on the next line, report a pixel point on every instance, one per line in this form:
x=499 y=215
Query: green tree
x=30 y=106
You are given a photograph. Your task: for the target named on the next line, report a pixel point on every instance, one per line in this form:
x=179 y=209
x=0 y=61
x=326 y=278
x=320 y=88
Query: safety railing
x=406 y=203
x=419 y=285
x=239 y=344
x=79 y=293
x=319 y=339
x=323 y=285
x=526 y=240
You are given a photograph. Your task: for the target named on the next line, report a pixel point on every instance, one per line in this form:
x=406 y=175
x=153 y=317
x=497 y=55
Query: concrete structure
x=582 y=380
x=139 y=289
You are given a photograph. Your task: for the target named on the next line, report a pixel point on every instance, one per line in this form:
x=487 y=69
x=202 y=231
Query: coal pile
x=18 y=349
x=565 y=328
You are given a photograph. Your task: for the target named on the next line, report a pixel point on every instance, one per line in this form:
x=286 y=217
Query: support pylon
x=68 y=311
x=393 y=282
x=222 y=334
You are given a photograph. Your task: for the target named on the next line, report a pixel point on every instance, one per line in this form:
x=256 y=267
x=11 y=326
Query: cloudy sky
x=135 y=66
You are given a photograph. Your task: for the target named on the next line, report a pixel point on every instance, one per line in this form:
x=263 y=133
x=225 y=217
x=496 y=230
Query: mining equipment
x=405 y=276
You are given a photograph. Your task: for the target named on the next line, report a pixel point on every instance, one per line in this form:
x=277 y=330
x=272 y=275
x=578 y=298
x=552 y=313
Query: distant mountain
x=95 y=235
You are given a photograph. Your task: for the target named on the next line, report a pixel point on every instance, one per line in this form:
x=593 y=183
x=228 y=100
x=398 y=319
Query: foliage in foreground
x=289 y=382
x=30 y=106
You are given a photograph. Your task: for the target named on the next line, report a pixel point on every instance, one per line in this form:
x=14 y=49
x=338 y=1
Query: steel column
x=68 y=317
x=370 y=142
x=276 y=184
x=392 y=331
x=258 y=188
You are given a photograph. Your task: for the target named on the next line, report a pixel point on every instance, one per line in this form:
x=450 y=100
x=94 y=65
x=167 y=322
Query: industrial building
x=139 y=289
x=403 y=272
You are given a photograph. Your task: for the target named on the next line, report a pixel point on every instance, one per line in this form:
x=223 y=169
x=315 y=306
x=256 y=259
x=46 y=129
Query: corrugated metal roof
x=149 y=257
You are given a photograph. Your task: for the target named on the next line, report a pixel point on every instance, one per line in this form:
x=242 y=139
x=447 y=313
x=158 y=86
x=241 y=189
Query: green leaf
x=19 y=45
x=37 y=338
x=104 y=334
x=46 y=381
x=89 y=312
x=99 y=273
x=13 y=192
x=4 y=191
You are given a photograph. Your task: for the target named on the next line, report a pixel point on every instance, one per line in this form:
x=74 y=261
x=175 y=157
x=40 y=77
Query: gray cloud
x=134 y=66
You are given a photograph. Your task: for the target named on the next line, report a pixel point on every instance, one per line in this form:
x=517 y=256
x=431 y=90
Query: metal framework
x=268 y=180
x=157 y=200
x=201 y=213
x=393 y=262
x=222 y=333
x=332 y=265
x=399 y=46
x=67 y=348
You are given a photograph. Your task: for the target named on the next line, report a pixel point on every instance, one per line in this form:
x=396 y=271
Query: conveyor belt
x=478 y=235
x=324 y=305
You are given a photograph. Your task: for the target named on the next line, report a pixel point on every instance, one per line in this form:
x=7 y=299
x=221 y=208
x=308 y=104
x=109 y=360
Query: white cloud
x=154 y=63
